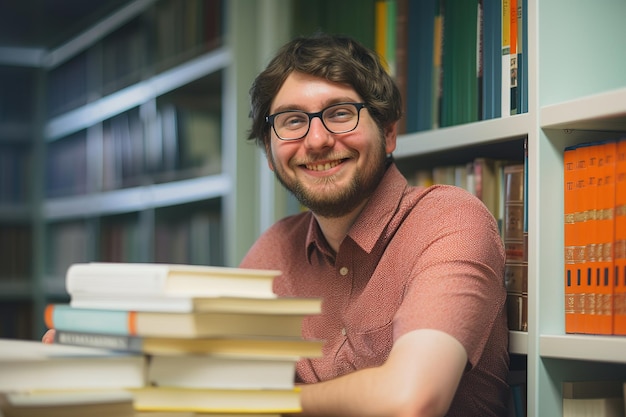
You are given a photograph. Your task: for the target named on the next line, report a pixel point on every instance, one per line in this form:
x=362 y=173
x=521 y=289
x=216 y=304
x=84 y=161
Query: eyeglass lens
x=338 y=118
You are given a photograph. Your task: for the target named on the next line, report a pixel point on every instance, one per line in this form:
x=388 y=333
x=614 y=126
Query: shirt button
x=344 y=270
x=343 y=331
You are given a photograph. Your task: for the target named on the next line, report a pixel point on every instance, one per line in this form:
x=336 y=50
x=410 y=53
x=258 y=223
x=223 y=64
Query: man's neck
x=335 y=229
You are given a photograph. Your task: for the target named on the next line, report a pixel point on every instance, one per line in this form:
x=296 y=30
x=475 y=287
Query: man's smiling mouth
x=323 y=167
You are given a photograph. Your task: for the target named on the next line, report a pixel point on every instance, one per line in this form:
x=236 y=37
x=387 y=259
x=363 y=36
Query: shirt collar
x=373 y=220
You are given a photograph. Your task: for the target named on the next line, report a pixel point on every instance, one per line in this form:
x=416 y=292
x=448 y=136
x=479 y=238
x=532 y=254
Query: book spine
x=513 y=56
x=516 y=264
x=580 y=244
x=620 y=240
x=98 y=340
x=587 y=202
x=505 y=100
x=569 y=237
x=89 y=278
x=64 y=317
x=605 y=220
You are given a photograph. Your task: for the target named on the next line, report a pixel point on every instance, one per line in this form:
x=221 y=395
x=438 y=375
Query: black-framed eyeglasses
x=295 y=124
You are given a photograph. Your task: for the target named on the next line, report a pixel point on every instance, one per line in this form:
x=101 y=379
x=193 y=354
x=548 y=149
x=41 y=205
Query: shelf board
x=449 y=138
x=599 y=112
x=583 y=347
x=137 y=198
x=94 y=33
x=137 y=94
x=518 y=342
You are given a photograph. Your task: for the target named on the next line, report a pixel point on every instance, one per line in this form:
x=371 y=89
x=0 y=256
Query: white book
x=168 y=279
x=32 y=365
x=222 y=371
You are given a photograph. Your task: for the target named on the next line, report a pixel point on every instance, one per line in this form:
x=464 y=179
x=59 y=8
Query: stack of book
x=591 y=398
x=215 y=339
x=515 y=243
x=52 y=380
x=594 y=237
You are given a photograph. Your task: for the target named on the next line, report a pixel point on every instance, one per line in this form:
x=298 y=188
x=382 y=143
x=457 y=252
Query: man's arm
x=419 y=378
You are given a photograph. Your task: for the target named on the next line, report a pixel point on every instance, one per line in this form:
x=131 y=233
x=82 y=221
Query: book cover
x=422 y=62
x=459 y=101
x=188 y=304
x=605 y=226
x=160 y=324
x=591 y=389
x=593 y=398
x=156 y=278
x=221 y=371
x=32 y=365
x=580 y=244
x=439 y=24
x=587 y=223
x=505 y=88
x=491 y=59
x=516 y=264
x=401 y=53
x=513 y=48
x=72 y=403
x=246 y=346
x=217 y=401
x=569 y=237
x=619 y=315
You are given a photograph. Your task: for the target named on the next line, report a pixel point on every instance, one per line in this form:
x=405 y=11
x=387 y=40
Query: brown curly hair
x=335 y=58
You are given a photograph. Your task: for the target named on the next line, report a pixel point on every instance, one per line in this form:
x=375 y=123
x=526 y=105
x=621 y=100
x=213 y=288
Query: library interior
x=123 y=127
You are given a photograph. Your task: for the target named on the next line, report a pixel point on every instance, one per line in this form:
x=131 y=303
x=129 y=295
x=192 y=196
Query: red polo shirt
x=415 y=258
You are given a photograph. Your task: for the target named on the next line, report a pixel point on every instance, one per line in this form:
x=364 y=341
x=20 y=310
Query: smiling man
x=411 y=278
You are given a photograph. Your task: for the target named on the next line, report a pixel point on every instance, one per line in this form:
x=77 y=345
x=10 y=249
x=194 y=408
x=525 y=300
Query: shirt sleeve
x=457 y=283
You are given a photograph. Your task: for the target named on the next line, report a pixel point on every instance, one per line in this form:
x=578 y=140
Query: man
x=411 y=278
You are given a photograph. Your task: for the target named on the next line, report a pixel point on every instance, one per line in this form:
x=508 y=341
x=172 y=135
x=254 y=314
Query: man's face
x=331 y=174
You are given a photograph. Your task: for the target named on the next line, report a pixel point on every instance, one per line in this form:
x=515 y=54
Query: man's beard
x=337 y=203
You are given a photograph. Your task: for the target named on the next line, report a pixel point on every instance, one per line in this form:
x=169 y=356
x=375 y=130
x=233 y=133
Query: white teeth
x=322 y=167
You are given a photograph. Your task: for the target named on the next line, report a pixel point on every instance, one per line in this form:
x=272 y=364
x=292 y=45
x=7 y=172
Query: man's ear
x=391 y=134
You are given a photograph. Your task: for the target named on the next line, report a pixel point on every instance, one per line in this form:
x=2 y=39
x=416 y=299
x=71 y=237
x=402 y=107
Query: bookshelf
x=576 y=93
x=18 y=118
x=138 y=150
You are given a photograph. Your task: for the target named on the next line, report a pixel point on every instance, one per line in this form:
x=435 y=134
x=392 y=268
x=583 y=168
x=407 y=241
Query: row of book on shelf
x=159 y=38
x=594 y=195
x=502 y=186
x=155 y=338
x=182 y=235
x=456 y=61
x=593 y=398
x=183 y=142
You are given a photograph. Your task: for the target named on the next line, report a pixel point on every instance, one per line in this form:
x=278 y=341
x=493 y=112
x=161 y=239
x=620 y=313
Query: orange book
x=587 y=236
x=619 y=297
x=605 y=219
x=569 y=237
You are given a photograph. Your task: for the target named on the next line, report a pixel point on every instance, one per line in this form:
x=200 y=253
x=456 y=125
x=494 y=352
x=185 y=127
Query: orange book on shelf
x=587 y=234
x=569 y=237
x=605 y=230
x=619 y=298
x=600 y=232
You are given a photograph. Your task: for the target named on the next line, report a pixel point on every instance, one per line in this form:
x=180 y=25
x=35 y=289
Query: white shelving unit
x=577 y=93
